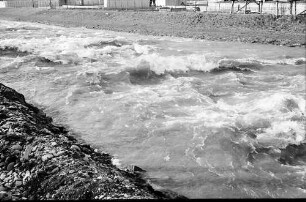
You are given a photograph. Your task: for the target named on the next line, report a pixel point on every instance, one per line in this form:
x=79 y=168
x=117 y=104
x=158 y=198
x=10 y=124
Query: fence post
x=232 y=9
x=295 y=8
x=276 y=8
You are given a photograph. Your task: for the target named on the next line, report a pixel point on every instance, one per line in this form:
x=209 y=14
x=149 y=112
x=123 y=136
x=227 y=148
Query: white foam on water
x=196 y=122
x=274 y=61
x=116 y=161
x=276 y=101
x=143 y=49
x=282 y=133
x=10 y=62
x=160 y=64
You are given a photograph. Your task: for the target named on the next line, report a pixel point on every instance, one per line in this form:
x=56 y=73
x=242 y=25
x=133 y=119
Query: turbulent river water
x=205 y=119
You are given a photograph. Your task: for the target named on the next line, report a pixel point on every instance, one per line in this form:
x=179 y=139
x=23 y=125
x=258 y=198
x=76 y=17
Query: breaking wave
x=206 y=119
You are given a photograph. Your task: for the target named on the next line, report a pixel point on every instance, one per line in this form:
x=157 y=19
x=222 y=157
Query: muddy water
x=205 y=119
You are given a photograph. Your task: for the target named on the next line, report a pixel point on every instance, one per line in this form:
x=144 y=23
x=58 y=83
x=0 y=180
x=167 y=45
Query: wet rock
x=10 y=166
x=6 y=179
x=27 y=175
x=60 y=153
x=3 y=194
x=2 y=176
x=75 y=148
x=34 y=148
x=2 y=188
x=86 y=158
x=14 y=198
x=16 y=152
x=18 y=183
x=55 y=170
x=86 y=150
x=137 y=169
x=27 y=152
x=8 y=185
x=46 y=157
x=17 y=147
x=8 y=160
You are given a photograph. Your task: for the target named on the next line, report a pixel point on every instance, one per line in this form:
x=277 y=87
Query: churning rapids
x=204 y=119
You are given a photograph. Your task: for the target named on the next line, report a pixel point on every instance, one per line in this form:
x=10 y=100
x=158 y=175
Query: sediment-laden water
x=205 y=119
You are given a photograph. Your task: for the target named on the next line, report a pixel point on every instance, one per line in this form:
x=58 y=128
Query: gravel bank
x=40 y=161
x=251 y=28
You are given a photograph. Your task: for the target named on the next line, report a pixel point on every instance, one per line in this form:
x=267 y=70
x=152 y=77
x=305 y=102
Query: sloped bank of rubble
x=251 y=28
x=42 y=161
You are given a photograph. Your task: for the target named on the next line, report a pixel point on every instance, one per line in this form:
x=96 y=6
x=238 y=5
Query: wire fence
x=270 y=7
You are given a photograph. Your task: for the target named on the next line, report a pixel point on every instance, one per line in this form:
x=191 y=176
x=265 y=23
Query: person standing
x=152 y=2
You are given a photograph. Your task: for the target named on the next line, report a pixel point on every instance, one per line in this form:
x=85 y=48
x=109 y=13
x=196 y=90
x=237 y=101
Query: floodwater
x=205 y=119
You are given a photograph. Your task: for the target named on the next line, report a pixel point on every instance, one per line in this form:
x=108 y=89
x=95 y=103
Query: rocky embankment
x=42 y=161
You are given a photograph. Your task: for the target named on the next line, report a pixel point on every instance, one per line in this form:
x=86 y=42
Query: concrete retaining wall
x=268 y=7
x=126 y=4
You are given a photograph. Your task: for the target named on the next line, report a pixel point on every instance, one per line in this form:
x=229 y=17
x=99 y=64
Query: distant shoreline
x=250 y=28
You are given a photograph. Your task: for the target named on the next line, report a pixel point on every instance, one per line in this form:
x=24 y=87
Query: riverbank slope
x=41 y=161
x=251 y=28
